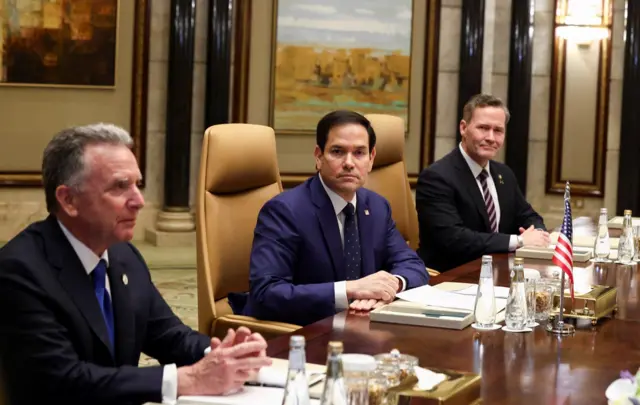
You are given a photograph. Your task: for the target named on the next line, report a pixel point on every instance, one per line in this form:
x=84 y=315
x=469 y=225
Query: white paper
x=434 y=297
x=500 y=292
x=247 y=395
x=427 y=379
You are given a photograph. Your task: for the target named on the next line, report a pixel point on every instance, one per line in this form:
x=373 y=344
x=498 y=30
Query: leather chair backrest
x=389 y=174
x=238 y=175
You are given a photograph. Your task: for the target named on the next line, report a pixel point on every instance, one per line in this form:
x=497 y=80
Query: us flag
x=563 y=255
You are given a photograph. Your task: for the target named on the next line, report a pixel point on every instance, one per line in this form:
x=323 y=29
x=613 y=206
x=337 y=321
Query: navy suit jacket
x=53 y=339
x=454 y=224
x=297 y=253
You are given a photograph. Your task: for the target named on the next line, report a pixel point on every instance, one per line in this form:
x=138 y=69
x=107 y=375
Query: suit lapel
x=74 y=278
x=329 y=226
x=502 y=196
x=122 y=309
x=365 y=228
x=471 y=185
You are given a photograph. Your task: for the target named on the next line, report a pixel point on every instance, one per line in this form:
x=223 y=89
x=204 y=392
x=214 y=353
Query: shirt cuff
x=170 y=384
x=403 y=283
x=513 y=243
x=340 y=293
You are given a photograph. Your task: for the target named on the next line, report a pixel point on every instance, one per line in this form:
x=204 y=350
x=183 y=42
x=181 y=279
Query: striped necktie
x=488 y=201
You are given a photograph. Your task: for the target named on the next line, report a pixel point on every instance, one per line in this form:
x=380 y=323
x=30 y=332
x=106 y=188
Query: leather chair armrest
x=268 y=329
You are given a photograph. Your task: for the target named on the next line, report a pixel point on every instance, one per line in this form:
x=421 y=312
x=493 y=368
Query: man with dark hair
x=329 y=244
x=76 y=299
x=469 y=205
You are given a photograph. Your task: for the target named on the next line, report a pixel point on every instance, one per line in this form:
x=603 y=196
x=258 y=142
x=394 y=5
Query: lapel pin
x=125 y=279
x=500 y=179
x=366 y=212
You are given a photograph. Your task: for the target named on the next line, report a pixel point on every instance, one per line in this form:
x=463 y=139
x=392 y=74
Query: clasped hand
x=534 y=237
x=229 y=364
x=372 y=291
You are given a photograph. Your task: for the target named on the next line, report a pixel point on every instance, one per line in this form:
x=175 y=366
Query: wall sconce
x=583 y=21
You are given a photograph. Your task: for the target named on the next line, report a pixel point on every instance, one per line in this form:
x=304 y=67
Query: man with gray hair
x=76 y=299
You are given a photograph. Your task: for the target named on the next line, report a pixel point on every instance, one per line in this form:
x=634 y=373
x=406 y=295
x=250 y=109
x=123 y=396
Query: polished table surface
x=516 y=368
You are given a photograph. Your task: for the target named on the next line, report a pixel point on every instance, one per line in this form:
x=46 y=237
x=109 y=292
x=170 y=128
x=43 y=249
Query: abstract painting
x=58 y=42
x=339 y=54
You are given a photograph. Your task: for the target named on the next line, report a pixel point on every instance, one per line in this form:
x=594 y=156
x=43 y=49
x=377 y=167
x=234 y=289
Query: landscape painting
x=58 y=42
x=339 y=54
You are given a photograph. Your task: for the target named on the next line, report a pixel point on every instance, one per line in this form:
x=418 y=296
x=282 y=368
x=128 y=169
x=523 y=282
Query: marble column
x=628 y=173
x=519 y=98
x=219 y=39
x=176 y=214
x=471 y=45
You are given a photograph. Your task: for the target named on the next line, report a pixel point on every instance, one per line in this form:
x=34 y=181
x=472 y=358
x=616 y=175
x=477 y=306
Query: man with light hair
x=76 y=298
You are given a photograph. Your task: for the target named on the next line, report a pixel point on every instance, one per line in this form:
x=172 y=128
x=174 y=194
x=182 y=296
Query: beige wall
x=19 y=206
x=551 y=206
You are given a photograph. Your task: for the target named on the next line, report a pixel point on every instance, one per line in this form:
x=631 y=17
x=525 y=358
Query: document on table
x=246 y=395
x=434 y=297
x=500 y=292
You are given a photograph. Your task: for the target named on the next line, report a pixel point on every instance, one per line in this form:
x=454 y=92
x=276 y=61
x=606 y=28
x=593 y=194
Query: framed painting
x=58 y=42
x=338 y=54
x=38 y=102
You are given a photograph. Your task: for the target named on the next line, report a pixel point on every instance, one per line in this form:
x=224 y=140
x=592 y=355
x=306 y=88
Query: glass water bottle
x=516 y=312
x=485 y=307
x=296 y=392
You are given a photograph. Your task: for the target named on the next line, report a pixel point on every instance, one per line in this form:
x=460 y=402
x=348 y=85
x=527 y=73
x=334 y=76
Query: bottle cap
x=297 y=341
x=336 y=347
x=487 y=258
x=358 y=362
x=603 y=210
x=627 y=212
x=518 y=260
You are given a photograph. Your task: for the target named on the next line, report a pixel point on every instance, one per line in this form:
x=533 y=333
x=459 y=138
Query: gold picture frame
x=135 y=93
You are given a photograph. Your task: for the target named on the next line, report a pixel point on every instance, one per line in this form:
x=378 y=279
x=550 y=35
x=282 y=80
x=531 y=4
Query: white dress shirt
x=89 y=261
x=476 y=169
x=340 y=287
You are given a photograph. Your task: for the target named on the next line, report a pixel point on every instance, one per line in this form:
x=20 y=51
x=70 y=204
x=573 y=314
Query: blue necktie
x=351 y=244
x=99 y=285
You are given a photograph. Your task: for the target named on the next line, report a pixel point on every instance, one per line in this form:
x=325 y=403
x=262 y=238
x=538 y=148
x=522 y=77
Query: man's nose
x=349 y=161
x=137 y=200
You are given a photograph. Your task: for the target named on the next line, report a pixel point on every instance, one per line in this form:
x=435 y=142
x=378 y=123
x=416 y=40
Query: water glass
x=530 y=293
x=357 y=368
x=545 y=290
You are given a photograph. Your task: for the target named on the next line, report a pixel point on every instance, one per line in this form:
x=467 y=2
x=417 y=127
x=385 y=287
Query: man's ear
x=372 y=156
x=67 y=200
x=318 y=154
x=463 y=127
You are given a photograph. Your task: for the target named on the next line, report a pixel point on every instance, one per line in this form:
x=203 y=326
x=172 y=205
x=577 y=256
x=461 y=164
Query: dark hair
x=63 y=158
x=338 y=118
x=483 y=100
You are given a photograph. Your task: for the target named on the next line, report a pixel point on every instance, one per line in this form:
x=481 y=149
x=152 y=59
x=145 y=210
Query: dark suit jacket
x=53 y=339
x=297 y=253
x=454 y=225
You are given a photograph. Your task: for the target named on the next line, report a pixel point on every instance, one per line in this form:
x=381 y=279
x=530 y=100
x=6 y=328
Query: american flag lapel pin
x=366 y=212
x=500 y=179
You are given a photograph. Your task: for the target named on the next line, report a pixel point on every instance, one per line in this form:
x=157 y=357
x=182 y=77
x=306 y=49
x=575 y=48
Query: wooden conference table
x=516 y=368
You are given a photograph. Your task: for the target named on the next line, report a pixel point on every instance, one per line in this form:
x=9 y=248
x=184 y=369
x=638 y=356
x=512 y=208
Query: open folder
x=448 y=305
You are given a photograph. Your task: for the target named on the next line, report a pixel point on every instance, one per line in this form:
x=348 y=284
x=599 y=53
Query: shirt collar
x=338 y=202
x=87 y=257
x=473 y=165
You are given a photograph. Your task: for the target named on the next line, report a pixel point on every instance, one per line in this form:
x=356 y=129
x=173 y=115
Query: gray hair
x=63 y=158
x=483 y=100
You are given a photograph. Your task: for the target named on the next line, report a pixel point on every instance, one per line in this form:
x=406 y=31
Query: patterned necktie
x=99 y=285
x=351 y=243
x=488 y=201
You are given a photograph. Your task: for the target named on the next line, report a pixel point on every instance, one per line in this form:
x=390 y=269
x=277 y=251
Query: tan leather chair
x=238 y=174
x=389 y=176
